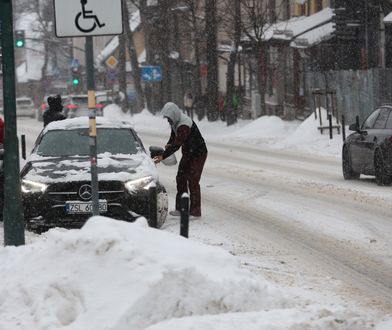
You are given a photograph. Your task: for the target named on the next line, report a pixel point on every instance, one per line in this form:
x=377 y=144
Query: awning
x=388 y=18
x=134 y=23
x=303 y=24
x=315 y=36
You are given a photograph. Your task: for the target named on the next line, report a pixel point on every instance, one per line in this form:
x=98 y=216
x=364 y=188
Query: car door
x=359 y=143
x=372 y=137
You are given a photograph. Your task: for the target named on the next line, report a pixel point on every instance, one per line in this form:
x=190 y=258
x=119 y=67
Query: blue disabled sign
x=151 y=73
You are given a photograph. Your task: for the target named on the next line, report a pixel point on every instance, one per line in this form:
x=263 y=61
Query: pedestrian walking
x=55 y=110
x=188 y=104
x=186 y=135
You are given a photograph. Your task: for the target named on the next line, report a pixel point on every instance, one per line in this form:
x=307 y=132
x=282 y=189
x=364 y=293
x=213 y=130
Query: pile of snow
x=116 y=275
x=297 y=136
x=308 y=137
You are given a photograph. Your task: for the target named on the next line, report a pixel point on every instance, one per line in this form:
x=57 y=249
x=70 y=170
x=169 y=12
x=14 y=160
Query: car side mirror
x=158 y=151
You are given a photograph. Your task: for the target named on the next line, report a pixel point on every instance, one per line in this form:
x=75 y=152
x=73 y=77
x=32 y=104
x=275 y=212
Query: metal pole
x=343 y=128
x=184 y=205
x=92 y=123
x=153 y=206
x=23 y=146
x=13 y=209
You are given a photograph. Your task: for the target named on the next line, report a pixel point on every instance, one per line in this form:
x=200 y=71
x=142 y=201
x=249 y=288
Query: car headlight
x=33 y=187
x=134 y=185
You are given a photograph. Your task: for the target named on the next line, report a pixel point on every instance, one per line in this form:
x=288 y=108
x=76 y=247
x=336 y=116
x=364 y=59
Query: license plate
x=84 y=207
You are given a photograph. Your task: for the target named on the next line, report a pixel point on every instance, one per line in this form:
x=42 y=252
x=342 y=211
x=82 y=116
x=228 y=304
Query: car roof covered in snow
x=83 y=122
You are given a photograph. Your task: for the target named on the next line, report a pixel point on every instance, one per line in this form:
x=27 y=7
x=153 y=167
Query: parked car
x=56 y=180
x=369 y=149
x=25 y=107
x=77 y=106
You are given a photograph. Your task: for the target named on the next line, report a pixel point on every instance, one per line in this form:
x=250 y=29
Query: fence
x=357 y=92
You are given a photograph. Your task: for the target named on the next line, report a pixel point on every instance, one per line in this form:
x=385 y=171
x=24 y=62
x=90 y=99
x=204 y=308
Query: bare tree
x=212 y=59
x=232 y=25
x=134 y=61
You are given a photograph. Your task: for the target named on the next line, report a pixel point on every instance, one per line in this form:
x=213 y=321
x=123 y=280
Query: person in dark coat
x=186 y=135
x=54 y=112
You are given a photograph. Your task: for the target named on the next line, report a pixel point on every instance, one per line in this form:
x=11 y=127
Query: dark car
x=56 y=180
x=369 y=149
x=77 y=106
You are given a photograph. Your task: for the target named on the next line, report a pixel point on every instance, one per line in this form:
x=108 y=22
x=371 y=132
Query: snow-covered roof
x=388 y=18
x=297 y=27
x=314 y=36
x=134 y=23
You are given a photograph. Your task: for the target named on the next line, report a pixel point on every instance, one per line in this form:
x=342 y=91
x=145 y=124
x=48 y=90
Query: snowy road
x=291 y=209
x=292 y=218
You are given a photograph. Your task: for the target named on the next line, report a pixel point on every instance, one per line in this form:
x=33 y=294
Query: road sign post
x=93 y=123
x=13 y=211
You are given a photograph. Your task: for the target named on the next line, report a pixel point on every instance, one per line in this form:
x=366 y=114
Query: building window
x=319 y=5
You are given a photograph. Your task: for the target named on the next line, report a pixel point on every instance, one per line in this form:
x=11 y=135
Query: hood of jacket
x=175 y=114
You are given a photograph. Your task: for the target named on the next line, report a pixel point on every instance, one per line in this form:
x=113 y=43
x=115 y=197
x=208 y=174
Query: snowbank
x=115 y=275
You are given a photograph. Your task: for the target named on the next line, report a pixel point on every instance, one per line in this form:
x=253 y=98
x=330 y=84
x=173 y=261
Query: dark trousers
x=188 y=177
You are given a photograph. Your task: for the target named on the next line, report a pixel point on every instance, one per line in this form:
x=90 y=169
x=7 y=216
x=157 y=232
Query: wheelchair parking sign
x=80 y=18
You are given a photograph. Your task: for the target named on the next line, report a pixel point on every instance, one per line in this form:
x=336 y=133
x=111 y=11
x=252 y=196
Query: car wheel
x=348 y=172
x=382 y=179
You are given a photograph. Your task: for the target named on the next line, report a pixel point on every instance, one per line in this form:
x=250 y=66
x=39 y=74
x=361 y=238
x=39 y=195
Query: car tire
x=382 y=179
x=348 y=172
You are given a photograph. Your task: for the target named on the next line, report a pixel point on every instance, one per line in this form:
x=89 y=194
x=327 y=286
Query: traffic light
x=19 y=38
x=75 y=76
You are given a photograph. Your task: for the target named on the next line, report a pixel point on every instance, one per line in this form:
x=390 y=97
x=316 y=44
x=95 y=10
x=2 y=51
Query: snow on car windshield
x=56 y=143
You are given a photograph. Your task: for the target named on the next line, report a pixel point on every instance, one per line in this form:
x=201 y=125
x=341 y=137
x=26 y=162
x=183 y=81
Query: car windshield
x=60 y=143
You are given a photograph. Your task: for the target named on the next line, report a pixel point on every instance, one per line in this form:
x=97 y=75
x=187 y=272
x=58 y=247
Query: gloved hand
x=158 y=159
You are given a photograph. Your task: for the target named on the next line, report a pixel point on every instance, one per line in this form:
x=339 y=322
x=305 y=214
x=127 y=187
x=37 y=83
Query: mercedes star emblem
x=85 y=192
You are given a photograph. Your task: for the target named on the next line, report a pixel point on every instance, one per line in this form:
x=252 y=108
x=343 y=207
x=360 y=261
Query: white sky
x=118 y=276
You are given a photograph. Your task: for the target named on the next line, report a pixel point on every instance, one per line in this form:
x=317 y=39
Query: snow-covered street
x=282 y=208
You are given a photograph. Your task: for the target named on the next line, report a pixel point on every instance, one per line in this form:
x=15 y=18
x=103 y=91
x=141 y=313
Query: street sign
x=111 y=62
x=151 y=73
x=75 y=63
x=112 y=76
x=81 y=18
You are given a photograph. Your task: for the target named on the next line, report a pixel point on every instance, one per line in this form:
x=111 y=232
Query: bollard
x=330 y=126
x=184 y=209
x=343 y=128
x=153 y=206
x=23 y=142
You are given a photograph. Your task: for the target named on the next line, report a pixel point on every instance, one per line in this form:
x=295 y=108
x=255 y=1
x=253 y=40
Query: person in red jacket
x=186 y=135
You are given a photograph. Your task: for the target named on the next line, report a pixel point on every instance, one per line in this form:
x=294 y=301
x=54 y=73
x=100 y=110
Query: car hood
x=77 y=168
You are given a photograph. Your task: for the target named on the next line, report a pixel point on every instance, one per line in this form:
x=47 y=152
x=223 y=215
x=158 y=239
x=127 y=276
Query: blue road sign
x=74 y=63
x=151 y=73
